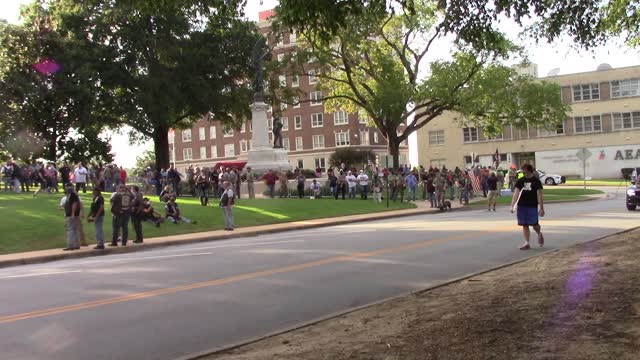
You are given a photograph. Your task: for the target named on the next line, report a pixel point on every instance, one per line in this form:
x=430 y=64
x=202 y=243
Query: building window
x=243 y=128
x=496 y=137
x=318 y=141
x=298 y=143
x=300 y=164
x=203 y=152
x=296 y=102
x=212 y=132
x=214 y=152
x=312 y=77
x=285 y=123
x=470 y=134
x=298 y=121
x=559 y=130
x=375 y=137
x=343 y=139
x=250 y=126
x=586 y=92
x=202 y=134
x=316 y=98
x=280 y=40
x=244 y=146
x=228 y=132
x=295 y=81
x=364 y=137
x=280 y=57
x=292 y=38
x=283 y=106
x=340 y=118
x=625 y=88
x=229 y=150
x=283 y=80
x=626 y=120
x=285 y=143
x=321 y=163
x=187 y=154
x=186 y=135
x=317 y=120
x=436 y=137
x=587 y=124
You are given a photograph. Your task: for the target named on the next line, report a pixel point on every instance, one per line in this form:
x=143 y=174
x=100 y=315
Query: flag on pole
x=475 y=180
x=496 y=158
x=634 y=175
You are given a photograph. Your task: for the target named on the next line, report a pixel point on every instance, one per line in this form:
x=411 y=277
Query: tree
x=589 y=22
x=171 y=62
x=47 y=92
x=351 y=157
x=144 y=162
x=375 y=62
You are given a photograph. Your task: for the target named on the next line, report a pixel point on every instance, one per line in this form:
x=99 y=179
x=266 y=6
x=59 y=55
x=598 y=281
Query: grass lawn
x=550 y=195
x=30 y=223
x=599 y=182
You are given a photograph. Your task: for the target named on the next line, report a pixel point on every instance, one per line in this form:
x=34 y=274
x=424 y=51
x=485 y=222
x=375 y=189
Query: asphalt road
x=171 y=302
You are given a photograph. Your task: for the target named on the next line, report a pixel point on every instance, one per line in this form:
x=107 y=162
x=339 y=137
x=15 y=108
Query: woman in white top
x=80 y=177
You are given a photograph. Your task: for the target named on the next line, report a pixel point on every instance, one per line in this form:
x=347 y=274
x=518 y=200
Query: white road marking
x=39 y=274
x=141 y=258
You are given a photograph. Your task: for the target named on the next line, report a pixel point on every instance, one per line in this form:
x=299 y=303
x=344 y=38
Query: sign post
x=386 y=165
x=583 y=154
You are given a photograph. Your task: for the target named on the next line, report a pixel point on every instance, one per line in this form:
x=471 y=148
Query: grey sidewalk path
x=42 y=256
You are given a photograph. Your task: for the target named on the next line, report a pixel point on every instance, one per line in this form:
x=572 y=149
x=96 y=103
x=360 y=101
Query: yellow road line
x=153 y=293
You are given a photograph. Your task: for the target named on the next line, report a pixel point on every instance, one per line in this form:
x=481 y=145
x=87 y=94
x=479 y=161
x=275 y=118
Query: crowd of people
x=128 y=203
x=46 y=176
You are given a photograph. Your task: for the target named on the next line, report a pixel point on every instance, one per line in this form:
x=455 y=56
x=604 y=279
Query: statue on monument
x=258 y=55
x=277 y=132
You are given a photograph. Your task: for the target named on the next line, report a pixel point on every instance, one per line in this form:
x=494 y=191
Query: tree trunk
x=161 y=147
x=393 y=146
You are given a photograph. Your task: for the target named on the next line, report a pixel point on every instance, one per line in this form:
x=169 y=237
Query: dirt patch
x=577 y=303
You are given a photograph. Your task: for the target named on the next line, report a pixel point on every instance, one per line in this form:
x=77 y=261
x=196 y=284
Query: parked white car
x=549 y=179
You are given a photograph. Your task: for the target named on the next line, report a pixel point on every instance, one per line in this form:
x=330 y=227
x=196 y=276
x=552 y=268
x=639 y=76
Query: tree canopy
x=375 y=63
x=167 y=63
x=48 y=94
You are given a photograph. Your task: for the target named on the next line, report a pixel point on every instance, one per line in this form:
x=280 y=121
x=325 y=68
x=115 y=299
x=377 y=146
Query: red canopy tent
x=238 y=164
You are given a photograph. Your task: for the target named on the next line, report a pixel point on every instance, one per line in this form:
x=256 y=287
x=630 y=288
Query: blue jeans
x=120 y=221
x=99 y=233
x=411 y=194
x=432 y=199
x=352 y=192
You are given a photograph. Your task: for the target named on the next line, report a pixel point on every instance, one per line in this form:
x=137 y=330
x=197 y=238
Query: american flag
x=475 y=180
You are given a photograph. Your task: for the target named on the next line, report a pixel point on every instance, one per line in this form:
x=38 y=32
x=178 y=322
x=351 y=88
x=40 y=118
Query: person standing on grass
x=121 y=210
x=342 y=185
x=123 y=176
x=80 y=177
x=137 y=213
x=202 y=186
x=250 y=188
x=492 y=185
x=300 y=181
x=284 y=185
x=270 y=180
x=71 y=204
x=333 y=184
x=440 y=185
x=226 y=203
x=412 y=185
x=96 y=216
x=351 y=180
x=528 y=200
x=363 y=181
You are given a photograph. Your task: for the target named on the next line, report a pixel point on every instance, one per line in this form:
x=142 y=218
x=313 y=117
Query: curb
x=605 y=196
x=198 y=237
x=214 y=351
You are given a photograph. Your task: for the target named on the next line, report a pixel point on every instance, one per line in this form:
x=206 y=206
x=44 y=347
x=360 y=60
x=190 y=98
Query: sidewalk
x=43 y=256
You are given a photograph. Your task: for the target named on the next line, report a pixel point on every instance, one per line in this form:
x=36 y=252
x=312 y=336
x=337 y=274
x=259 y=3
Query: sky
x=547 y=56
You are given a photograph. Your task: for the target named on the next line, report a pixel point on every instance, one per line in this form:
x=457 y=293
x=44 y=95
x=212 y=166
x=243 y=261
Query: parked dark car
x=633 y=196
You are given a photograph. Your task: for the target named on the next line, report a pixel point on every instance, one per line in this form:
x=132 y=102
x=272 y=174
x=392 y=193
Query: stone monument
x=263 y=156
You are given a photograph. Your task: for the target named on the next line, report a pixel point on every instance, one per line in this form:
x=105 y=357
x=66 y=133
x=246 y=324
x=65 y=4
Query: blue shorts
x=527 y=215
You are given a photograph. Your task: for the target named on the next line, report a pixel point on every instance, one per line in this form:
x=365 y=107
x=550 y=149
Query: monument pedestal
x=262 y=156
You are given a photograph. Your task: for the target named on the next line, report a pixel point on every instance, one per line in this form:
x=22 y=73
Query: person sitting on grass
x=166 y=194
x=173 y=212
x=316 y=190
x=149 y=214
